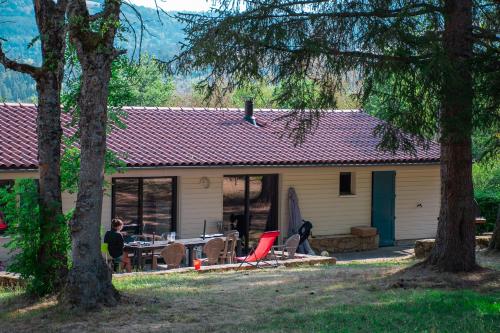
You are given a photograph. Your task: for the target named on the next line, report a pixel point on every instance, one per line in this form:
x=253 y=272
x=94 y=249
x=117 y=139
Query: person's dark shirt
x=115 y=243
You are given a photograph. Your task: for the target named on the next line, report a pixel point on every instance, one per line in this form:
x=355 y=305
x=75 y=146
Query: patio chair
x=258 y=255
x=290 y=247
x=229 y=252
x=213 y=250
x=172 y=254
x=105 y=255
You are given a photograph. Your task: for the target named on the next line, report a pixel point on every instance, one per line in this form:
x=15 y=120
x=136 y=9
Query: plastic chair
x=105 y=252
x=259 y=254
x=105 y=255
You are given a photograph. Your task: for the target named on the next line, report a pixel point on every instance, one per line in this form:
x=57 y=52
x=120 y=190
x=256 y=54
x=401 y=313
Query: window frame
x=140 y=195
x=352 y=184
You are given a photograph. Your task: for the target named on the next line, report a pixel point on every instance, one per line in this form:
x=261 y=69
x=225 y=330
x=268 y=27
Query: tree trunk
x=51 y=256
x=454 y=250
x=495 y=238
x=89 y=281
x=50 y=17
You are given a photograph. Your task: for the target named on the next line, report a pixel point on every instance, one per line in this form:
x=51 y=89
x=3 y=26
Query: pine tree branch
x=485 y=34
x=351 y=53
x=408 y=11
x=18 y=67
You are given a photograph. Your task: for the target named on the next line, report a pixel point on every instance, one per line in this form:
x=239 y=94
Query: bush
x=488 y=204
x=22 y=213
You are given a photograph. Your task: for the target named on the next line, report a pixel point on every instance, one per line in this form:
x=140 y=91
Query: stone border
x=306 y=260
x=13 y=280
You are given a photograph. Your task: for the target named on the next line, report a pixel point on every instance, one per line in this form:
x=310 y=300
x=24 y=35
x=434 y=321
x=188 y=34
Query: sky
x=176 y=5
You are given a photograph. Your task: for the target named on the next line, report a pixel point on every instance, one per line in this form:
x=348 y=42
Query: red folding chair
x=259 y=254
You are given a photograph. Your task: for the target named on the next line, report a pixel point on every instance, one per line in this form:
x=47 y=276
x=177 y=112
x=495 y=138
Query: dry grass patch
x=282 y=299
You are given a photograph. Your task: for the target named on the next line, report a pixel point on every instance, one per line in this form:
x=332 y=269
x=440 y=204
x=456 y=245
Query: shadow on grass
x=323 y=298
x=397 y=311
x=421 y=275
x=15 y=302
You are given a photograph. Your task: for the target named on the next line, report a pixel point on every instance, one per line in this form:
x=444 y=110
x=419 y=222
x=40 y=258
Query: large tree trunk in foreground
x=51 y=24
x=50 y=18
x=495 y=239
x=454 y=250
x=89 y=283
x=90 y=278
x=49 y=156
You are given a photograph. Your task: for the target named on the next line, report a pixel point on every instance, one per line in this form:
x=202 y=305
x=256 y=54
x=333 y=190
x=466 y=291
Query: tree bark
x=495 y=238
x=89 y=282
x=49 y=133
x=50 y=18
x=454 y=250
x=90 y=278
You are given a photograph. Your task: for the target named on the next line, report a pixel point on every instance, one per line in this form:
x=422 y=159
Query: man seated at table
x=114 y=239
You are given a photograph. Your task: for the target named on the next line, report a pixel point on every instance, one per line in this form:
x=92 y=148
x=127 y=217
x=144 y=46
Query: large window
x=145 y=205
x=250 y=205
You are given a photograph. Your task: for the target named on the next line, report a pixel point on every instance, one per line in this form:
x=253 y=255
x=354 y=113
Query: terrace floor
x=380 y=254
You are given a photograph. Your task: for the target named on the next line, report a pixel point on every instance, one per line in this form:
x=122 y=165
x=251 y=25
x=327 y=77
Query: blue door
x=383 y=202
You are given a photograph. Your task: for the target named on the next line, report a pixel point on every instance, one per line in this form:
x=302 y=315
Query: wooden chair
x=213 y=249
x=289 y=248
x=229 y=252
x=172 y=254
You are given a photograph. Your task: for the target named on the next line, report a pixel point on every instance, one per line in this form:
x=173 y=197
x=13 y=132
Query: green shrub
x=22 y=213
x=488 y=204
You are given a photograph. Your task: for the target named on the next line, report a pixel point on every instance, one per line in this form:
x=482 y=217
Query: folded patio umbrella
x=295 y=221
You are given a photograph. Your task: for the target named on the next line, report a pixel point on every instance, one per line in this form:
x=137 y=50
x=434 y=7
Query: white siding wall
x=415 y=186
x=317 y=189
x=197 y=204
x=320 y=202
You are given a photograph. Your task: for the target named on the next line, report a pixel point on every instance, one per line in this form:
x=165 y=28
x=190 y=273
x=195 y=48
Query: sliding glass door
x=250 y=205
x=145 y=205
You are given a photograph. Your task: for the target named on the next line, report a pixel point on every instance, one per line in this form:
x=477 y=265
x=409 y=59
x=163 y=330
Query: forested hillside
x=19 y=36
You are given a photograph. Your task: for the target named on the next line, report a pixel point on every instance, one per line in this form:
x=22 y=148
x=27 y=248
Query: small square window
x=346 y=183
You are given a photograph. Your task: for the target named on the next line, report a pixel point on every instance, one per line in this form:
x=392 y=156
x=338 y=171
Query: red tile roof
x=210 y=137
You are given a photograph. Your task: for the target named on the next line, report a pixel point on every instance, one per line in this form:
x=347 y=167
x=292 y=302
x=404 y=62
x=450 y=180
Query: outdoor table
x=190 y=243
x=138 y=248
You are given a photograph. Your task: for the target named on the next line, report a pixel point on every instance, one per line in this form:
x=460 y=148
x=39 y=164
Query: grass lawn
x=355 y=297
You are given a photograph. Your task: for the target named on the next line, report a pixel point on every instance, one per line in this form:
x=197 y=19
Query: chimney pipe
x=249 y=112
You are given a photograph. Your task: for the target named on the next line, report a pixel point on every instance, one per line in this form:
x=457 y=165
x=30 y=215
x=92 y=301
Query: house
x=190 y=165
